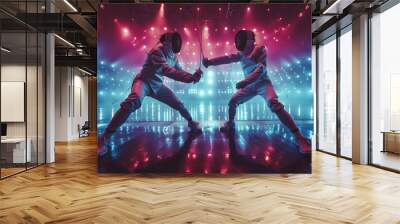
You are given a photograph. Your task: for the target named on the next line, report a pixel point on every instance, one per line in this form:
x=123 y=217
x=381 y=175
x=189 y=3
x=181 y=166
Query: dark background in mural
x=128 y=32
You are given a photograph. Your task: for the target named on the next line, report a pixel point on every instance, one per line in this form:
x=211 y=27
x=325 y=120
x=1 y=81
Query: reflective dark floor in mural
x=168 y=147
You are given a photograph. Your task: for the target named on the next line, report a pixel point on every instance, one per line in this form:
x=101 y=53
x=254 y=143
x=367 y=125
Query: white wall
x=14 y=73
x=33 y=127
x=71 y=94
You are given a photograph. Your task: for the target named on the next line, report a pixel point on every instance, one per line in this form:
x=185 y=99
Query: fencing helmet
x=175 y=39
x=242 y=37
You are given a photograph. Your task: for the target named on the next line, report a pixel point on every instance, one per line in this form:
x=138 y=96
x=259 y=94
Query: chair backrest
x=86 y=125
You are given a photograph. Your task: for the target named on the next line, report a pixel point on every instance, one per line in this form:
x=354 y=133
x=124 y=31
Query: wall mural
x=204 y=88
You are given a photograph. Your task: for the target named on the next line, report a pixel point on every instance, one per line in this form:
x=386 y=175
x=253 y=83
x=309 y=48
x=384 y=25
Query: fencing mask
x=175 y=39
x=242 y=37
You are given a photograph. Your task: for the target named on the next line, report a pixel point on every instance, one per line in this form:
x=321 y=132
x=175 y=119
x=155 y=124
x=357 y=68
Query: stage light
x=201 y=93
x=165 y=28
x=161 y=13
x=227 y=43
x=152 y=28
x=224 y=170
x=248 y=9
x=125 y=32
x=206 y=28
x=226 y=28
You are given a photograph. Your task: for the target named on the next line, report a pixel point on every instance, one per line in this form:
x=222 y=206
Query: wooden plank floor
x=71 y=191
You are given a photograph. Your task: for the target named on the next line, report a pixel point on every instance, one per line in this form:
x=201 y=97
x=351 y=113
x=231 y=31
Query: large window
x=385 y=89
x=335 y=74
x=346 y=92
x=327 y=96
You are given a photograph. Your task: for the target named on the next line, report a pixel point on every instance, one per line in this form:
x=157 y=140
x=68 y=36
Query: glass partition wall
x=22 y=78
x=334 y=94
x=326 y=54
x=385 y=89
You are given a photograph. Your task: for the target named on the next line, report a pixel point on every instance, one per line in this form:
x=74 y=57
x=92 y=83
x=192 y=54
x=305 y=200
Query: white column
x=50 y=93
x=360 y=90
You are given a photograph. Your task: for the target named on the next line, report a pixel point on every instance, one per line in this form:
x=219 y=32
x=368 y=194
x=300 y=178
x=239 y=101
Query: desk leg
x=384 y=143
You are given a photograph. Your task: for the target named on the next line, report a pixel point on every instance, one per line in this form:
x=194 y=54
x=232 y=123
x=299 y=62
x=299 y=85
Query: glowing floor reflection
x=167 y=147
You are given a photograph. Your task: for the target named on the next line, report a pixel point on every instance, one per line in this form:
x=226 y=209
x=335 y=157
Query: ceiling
x=75 y=21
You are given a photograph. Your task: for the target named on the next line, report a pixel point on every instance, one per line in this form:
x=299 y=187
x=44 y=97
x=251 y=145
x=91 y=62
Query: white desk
x=16 y=147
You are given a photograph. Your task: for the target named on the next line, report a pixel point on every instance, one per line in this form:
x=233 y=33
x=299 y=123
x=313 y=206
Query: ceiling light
x=84 y=71
x=5 y=50
x=64 y=40
x=70 y=5
x=337 y=7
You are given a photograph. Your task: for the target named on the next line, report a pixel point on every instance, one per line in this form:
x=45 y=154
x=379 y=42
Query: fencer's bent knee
x=275 y=105
x=131 y=105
